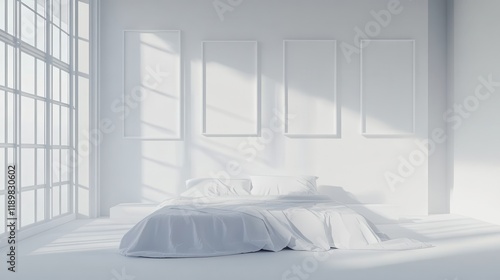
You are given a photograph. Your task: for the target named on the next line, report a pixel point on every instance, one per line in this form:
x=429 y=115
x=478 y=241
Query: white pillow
x=199 y=187
x=283 y=185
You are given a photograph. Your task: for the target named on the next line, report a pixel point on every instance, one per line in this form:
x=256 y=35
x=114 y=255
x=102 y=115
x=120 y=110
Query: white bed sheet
x=216 y=226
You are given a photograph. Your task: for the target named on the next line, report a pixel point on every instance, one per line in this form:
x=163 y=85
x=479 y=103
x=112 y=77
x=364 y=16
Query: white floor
x=87 y=249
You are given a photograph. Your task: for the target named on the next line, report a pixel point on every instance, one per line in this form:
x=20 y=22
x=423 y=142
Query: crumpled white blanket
x=216 y=226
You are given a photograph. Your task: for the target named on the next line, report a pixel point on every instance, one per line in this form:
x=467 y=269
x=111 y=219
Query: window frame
x=50 y=62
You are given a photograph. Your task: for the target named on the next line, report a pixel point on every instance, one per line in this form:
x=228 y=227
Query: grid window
x=38 y=116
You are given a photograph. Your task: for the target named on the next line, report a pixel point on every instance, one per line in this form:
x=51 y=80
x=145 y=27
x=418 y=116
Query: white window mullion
x=48 y=119
x=76 y=77
x=72 y=162
x=17 y=108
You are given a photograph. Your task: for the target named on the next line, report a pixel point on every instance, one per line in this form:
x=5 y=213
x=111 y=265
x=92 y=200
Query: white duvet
x=216 y=226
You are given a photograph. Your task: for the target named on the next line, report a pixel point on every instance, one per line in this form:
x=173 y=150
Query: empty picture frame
x=310 y=84
x=388 y=88
x=231 y=89
x=152 y=101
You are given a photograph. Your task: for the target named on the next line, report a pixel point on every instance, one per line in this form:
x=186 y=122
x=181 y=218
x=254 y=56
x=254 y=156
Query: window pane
x=83 y=20
x=64 y=199
x=40 y=122
x=65 y=15
x=83 y=57
x=2 y=12
x=27 y=120
x=55 y=201
x=64 y=47
x=10 y=66
x=29 y=3
x=2 y=214
x=27 y=73
x=56 y=11
x=64 y=87
x=3 y=169
x=65 y=165
x=40 y=167
x=56 y=42
x=27 y=173
x=40 y=205
x=56 y=84
x=11 y=113
x=64 y=126
x=40 y=33
x=3 y=62
x=41 y=7
x=40 y=77
x=55 y=125
x=10 y=16
x=27 y=25
x=3 y=118
x=10 y=156
x=27 y=208
x=56 y=174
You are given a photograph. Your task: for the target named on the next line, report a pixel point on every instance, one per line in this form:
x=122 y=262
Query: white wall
x=476 y=157
x=134 y=170
x=439 y=195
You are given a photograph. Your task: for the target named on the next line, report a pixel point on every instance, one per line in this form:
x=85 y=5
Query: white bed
x=224 y=225
x=465 y=249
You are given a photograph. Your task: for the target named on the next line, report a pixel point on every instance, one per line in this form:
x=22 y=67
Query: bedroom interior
x=249 y=139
